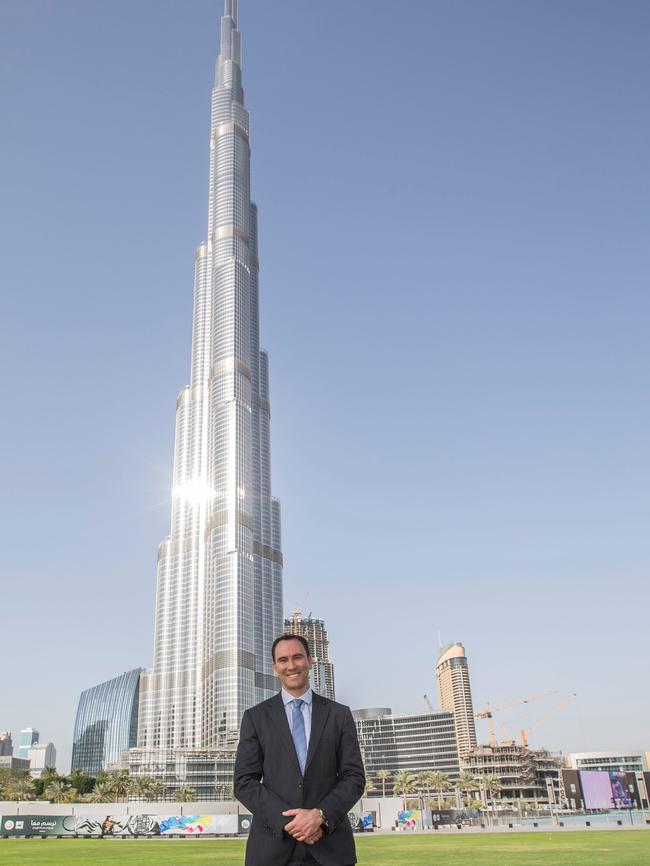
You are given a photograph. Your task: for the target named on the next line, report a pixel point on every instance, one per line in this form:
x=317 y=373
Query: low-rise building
x=15 y=764
x=208 y=771
x=611 y=762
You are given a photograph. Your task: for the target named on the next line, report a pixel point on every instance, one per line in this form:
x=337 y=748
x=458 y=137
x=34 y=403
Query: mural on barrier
x=118 y=825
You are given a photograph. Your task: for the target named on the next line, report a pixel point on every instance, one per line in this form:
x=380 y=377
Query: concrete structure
x=623 y=762
x=452 y=674
x=26 y=739
x=209 y=772
x=6 y=744
x=106 y=723
x=41 y=755
x=521 y=772
x=414 y=743
x=219 y=589
x=313 y=630
x=16 y=765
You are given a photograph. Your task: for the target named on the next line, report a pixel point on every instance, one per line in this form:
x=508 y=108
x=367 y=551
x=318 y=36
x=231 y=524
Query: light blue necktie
x=298 y=732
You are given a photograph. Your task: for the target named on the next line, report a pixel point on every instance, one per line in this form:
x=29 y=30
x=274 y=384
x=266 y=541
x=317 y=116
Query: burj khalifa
x=219 y=580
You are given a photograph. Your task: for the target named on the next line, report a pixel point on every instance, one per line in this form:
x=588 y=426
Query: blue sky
x=454 y=271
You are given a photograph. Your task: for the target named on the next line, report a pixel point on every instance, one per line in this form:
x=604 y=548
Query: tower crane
x=551 y=712
x=489 y=710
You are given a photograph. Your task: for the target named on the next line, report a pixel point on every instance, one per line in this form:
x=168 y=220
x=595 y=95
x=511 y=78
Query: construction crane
x=489 y=711
x=428 y=703
x=548 y=715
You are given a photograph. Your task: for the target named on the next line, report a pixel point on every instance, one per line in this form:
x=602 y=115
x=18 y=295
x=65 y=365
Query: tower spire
x=228 y=73
x=230 y=10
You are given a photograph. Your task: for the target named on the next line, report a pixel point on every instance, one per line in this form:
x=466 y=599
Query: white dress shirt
x=305 y=709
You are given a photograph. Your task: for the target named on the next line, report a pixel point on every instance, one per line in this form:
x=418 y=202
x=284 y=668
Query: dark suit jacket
x=268 y=780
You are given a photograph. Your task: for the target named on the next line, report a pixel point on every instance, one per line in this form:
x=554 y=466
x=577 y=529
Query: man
x=298 y=769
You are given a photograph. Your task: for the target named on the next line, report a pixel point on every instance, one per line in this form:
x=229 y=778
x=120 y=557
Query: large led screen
x=596 y=789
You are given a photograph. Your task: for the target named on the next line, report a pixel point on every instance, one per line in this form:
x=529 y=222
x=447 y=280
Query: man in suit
x=298 y=769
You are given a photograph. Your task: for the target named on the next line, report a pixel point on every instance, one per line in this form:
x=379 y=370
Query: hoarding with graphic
x=119 y=825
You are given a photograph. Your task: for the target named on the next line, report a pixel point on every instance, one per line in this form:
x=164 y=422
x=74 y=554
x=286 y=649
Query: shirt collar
x=287 y=698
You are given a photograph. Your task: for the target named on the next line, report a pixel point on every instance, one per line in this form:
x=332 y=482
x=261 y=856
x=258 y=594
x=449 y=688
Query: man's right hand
x=311 y=840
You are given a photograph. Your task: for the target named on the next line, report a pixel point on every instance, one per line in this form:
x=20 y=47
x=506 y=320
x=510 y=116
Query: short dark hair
x=298 y=637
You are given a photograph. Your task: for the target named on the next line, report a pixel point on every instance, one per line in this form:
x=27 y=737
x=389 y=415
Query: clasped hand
x=305 y=825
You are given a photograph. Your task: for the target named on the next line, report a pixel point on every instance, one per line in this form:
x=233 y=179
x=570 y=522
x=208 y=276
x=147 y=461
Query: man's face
x=292 y=666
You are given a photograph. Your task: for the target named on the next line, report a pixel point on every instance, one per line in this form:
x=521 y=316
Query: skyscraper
x=219 y=590
x=6 y=744
x=313 y=630
x=452 y=674
x=27 y=738
x=106 y=723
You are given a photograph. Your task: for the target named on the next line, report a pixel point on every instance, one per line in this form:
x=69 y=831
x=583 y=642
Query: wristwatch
x=325 y=825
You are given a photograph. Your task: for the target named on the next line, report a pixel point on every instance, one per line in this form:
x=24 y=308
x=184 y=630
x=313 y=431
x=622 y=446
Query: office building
x=314 y=631
x=40 y=756
x=6 y=744
x=13 y=764
x=26 y=739
x=106 y=723
x=414 y=743
x=219 y=582
x=452 y=674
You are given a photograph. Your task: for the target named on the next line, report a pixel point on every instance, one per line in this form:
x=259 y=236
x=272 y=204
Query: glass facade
x=106 y=723
x=219 y=582
x=414 y=743
x=27 y=738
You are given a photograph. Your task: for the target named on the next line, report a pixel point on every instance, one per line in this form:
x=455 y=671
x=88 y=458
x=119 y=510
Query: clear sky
x=454 y=268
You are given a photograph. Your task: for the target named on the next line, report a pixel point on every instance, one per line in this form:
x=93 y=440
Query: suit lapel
x=320 y=709
x=279 y=718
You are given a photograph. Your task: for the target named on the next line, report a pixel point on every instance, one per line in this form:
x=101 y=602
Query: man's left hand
x=305 y=825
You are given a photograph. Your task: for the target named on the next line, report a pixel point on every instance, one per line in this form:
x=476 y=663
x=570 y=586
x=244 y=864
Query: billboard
x=118 y=825
x=609 y=790
x=409 y=819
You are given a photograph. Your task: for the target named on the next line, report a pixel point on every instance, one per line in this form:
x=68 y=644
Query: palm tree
x=404 y=782
x=60 y=792
x=492 y=786
x=101 y=793
x=156 y=789
x=370 y=786
x=383 y=776
x=467 y=783
x=186 y=794
x=440 y=783
x=424 y=782
x=19 y=789
x=49 y=775
x=140 y=787
x=119 y=784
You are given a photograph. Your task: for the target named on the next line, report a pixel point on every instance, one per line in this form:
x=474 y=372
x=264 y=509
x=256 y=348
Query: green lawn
x=596 y=848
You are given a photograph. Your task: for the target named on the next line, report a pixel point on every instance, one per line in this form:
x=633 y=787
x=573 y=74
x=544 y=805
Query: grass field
x=596 y=848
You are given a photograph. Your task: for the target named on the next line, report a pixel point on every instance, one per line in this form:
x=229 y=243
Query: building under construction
x=314 y=631
x=523 y=773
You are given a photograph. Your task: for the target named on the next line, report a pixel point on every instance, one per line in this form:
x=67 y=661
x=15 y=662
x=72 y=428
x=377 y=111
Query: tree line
x=432 y=786
x=78 y=787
